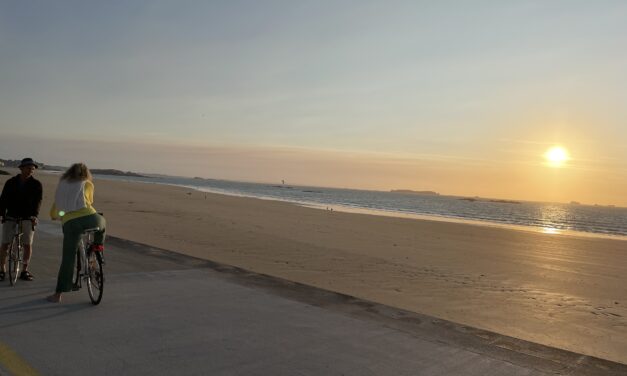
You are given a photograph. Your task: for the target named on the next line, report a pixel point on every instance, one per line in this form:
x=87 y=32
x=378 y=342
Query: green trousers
x=72 y=232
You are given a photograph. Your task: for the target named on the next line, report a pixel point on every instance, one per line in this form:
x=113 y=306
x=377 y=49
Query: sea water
x=547 y=217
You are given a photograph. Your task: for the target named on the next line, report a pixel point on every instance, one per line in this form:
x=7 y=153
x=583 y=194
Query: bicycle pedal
x=76 y=287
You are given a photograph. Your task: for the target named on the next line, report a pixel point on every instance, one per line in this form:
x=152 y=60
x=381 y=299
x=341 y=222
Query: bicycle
x=89 y=267
x=16 y=248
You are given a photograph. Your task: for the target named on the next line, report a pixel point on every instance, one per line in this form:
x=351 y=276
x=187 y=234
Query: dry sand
x=564 y=291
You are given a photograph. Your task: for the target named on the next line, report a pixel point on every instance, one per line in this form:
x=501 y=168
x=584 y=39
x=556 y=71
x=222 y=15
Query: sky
x=458 y=97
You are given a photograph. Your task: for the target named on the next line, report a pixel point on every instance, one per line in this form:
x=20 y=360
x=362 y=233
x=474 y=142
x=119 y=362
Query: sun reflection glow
x=550 y=230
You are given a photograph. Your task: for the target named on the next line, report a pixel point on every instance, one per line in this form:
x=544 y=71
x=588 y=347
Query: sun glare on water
x=556 y=156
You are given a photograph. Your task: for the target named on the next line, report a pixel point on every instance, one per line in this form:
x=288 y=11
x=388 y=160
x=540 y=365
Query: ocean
x=541 y=216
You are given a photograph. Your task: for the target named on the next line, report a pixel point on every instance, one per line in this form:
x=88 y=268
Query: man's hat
x=28 y=162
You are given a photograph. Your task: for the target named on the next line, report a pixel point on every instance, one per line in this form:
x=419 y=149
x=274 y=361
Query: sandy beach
x=558 y=290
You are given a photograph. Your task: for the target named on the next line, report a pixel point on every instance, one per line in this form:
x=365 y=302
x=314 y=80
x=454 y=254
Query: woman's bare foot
x=54 y=298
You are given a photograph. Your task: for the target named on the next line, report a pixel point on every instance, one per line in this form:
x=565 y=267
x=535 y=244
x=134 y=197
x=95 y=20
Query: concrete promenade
x=167 y=314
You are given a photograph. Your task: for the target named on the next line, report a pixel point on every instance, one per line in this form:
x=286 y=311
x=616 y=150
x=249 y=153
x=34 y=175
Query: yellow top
x=88 y=194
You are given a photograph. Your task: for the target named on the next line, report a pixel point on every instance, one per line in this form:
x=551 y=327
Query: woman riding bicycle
x=73 y=205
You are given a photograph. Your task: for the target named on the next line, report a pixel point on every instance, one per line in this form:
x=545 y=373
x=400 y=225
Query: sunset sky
x=459 y=97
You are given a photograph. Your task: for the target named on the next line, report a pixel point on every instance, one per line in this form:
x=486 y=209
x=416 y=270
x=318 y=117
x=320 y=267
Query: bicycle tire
x=15 y=256
x=95 y=277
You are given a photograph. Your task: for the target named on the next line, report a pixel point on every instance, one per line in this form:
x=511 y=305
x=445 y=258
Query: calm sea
x=547 y=217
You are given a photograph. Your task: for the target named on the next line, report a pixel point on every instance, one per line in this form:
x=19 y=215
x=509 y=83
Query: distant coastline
x=411 y=192
x=116 y=173
x=473 y=199
x=96 y=171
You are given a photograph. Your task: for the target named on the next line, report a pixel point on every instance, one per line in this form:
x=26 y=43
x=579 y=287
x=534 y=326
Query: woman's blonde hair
x=77 y=172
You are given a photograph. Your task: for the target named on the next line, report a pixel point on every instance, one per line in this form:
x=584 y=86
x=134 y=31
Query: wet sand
x=558 y=290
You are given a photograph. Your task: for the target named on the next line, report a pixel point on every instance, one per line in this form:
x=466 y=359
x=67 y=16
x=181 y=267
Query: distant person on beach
x=21 y=198
x=73 y=205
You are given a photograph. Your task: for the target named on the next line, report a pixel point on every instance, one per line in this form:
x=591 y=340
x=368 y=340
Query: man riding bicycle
x=20 y=198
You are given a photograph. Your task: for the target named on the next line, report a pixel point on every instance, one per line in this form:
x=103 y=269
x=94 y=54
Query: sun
x=556 y=156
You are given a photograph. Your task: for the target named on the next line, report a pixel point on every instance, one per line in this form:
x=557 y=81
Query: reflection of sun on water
x=556 y=156
x=554 y=219
x=550 y=230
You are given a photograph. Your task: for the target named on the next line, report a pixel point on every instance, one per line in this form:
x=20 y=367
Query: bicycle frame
x=86 y=239
x=18 y=229
x=15 y=260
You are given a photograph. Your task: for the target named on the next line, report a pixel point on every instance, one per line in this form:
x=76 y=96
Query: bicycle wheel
x=15 y=258
x=95 y=277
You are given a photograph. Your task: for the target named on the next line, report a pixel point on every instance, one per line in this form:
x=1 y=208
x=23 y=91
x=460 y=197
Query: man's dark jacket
x=21 y=199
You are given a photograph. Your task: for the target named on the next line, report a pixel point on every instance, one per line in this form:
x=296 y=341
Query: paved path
x=165 y=314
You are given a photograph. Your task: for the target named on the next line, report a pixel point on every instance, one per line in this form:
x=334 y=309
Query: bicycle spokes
x=15 y=261
x=95 y=277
